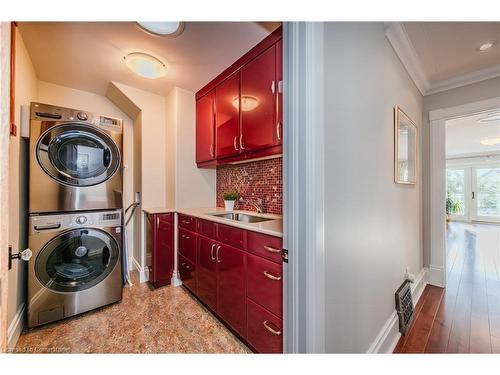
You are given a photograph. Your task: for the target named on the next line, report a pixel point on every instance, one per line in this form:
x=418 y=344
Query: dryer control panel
x=58 y=222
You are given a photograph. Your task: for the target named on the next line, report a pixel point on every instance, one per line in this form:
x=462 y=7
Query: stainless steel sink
x=241 y=217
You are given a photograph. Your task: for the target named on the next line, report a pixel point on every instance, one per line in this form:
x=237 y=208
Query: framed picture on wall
x=405 y=148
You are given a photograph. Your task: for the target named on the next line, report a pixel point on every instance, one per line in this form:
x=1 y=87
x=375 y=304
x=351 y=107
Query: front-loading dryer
x=75 y=160
x=75 y=264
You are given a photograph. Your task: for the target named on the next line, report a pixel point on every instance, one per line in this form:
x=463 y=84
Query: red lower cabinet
x=160 y=243
x=207 y=272
x=187 y=273
x=187 y=244
x=265 y=284
x=231 y=287
x=265 y=330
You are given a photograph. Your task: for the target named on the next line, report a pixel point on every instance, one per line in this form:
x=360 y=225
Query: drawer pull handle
x=272 y=249
x=212 y=256
x=270 y=329
x=187 y=237
x=269 y=275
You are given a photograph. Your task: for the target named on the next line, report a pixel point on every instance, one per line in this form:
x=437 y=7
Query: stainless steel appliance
x=75 y=264
x=75 y=160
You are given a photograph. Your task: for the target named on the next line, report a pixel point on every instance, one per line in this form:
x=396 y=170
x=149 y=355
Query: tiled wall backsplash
x=258 y=179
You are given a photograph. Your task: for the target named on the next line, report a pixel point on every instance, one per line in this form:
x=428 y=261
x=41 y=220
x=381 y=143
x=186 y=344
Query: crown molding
x=397 y=36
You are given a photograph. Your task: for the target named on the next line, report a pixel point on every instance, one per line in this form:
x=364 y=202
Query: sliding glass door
x=457 y=188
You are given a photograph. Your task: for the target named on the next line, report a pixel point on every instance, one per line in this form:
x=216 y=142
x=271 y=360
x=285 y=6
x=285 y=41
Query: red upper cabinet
x=205 y=117
x=279 y=92
x=227 y=117
x=258 y=98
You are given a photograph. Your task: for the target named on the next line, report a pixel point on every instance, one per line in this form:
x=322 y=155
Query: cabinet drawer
x=207 y=228
x=265 y=283
x=268 y=247
x=187 y=273
x=187 y=244
x=265 y=330
x=187 y=222
x=230 y=235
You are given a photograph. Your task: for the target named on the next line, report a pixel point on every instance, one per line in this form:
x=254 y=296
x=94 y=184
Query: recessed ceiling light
x=145 y=65
x=492 y=141
x=486 y=46
x=165 y=29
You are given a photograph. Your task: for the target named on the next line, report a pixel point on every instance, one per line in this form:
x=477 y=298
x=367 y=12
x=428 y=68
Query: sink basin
x=241 y=217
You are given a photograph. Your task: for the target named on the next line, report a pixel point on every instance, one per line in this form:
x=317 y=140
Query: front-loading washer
x=75 y=264
x=75 y=160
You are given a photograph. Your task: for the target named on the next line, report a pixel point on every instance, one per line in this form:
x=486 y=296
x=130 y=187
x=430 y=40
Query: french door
x=475 y=193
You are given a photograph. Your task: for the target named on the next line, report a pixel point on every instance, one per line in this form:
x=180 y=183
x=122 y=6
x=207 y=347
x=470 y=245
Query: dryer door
x=77 y=260
x=78 y=155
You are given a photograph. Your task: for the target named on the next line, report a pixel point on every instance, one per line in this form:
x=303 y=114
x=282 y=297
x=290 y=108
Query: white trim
x=465 y=109
x=303 y=160
x=463 y=80
x=396 y=34
x=401 y=43
x=389 y=335
x=437 y=276
x=143 y=271
x=16 y=327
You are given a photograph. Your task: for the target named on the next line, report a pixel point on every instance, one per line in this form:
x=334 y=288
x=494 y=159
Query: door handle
x=273 y=86
x=217 y=254
x=278 y=126
x=269 y=275
x=242 y=146
x=472 y=195
x=212 y=252
x=234 y=143
x=212 y=150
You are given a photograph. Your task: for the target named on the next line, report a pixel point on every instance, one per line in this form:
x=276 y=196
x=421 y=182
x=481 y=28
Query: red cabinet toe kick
x=237 y=274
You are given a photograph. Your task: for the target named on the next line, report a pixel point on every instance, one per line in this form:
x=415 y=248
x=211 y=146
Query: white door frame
x=303 y=158
x=437 y=119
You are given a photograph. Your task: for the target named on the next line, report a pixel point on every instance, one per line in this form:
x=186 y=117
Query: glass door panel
x=457 y=196
x=486 y=194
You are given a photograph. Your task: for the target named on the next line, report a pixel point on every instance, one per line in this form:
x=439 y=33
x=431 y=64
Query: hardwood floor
x=465 y=316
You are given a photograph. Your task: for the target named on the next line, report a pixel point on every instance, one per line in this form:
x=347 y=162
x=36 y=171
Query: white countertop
x=272 y=227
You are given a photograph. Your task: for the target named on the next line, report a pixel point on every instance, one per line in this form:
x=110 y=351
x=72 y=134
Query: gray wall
x=372 y=225
x=462 y=95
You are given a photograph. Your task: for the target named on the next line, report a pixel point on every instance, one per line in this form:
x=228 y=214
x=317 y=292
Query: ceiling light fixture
x=486 y=46
x=145 y=65
x=163 y=29
x=493 y=141
x=248 y=103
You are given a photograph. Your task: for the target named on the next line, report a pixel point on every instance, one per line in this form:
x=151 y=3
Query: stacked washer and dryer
x=75 y=205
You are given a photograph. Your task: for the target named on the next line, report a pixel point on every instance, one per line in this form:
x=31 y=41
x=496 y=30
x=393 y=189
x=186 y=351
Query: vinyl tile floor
x=165 y=320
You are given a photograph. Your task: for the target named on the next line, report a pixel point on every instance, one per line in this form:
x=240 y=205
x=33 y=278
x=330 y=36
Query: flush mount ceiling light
x=492 y=141
x=248 y=103
x=486 y=46
x=490 y=118
x=164 y=29
x=145 y=65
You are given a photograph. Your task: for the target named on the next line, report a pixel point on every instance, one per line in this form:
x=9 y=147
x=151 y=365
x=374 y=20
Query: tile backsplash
x=258 y=179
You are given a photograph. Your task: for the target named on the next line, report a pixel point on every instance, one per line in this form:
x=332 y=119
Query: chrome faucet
x=255 y=202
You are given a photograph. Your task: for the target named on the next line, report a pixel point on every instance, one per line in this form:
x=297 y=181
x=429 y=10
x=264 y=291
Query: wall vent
x=404 y=306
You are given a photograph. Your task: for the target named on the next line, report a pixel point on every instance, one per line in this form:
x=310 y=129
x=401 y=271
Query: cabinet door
x=265 y=284
x=187 y=273
x=258 y=88
x=265 y=330
x=279 y=92
x=163 y=249
x=205 y=147
x=207 y=272
x=187 y=244
x=227 y=117
x=231 y=287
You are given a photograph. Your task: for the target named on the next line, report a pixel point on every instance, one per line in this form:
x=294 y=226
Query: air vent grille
x=404 y=306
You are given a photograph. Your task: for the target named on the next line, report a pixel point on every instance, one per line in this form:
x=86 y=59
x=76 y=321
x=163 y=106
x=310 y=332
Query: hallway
x=465 y=316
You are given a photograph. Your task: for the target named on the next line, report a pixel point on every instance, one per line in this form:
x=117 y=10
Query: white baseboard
x=16 y=327
x=143 y=271
x=389 y=335
x=437 y=276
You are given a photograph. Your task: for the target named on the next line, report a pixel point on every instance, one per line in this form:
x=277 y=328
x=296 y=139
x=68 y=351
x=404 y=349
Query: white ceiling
x=464 y=135
x=443 y=55
x=89 y=55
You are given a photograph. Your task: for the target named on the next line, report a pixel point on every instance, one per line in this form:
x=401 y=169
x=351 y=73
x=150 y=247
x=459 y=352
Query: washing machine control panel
x=58 y=222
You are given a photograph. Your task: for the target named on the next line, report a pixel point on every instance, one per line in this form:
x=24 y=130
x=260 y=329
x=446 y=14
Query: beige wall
x=372 y=225
x=194 y=187
x=462 y=95
x=26 y=91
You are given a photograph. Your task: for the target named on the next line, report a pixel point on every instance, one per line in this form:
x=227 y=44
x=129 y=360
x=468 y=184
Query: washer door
x=77 y=154
x=76 y=260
